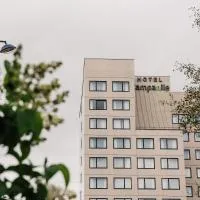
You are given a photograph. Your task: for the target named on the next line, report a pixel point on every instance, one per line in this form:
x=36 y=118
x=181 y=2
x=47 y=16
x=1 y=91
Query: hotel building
x=131 y=145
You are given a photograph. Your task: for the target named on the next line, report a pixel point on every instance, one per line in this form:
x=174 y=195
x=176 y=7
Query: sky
x=156 y=33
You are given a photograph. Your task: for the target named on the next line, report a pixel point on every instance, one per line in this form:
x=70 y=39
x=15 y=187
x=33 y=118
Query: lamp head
x=7 y=48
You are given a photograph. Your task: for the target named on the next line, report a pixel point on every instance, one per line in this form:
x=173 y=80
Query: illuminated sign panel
x=152 y=83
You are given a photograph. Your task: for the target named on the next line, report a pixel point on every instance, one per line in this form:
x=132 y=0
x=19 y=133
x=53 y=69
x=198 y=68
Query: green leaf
x=19 y=185
x=7 y=65
x=29 y=121
x=53 y=169
x=41 y=191
x=3 y=188
x=25 y=149
x=24 y=169
x=9 y=135
x=1 y=169
x=14 y=153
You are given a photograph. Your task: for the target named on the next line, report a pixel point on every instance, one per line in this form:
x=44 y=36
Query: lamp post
x=6 y=48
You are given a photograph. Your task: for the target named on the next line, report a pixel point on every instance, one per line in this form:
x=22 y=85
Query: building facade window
x=169 y=163
x=121 y=143
x=186 y=154
x=98 y=123
x=146 y=163
x=197 y=137
x=146 y=183
x=168 y=143
x=121 y=104
x=171 y=199
x=97 y=86
x=122 y=198
x=198 y=172
x=189 y=191
x=146 y=198
x=122 y=162
x=188 y=172
x=120 y=86
x=198 y=191
x=178 y=118
x=98 y=198
x=197 y=154
x=98 y=182
x=98 y=143
x=175 y=119
x=145 y=143
x=122 y=183
x=121 y=123
x=98 y=162
x=186 y=137
x=98 y=104
x=170 y=184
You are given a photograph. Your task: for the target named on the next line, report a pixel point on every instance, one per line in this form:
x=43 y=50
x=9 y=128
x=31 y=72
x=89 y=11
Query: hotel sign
x=152 y=83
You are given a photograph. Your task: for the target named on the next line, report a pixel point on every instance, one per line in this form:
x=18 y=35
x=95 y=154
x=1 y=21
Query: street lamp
x=6 y=48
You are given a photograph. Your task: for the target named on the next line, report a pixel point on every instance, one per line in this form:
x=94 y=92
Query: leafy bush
x=30 y=107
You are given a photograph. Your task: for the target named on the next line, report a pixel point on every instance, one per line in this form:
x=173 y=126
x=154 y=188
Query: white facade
x=131 y=150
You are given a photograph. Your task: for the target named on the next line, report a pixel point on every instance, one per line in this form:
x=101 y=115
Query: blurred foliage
x=57 y=193
x=196 y=17
x=31 y=106
x=189 y=106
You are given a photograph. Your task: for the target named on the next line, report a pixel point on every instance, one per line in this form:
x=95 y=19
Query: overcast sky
x=155 y=33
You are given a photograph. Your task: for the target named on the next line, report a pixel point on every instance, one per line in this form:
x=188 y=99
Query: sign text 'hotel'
x=154 y=83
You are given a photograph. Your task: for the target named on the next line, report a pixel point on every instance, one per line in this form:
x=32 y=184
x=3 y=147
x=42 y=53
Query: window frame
x=123 y=142
x=198 y=168
x=173 y=118
x=123 y=163
x=179 y=118
x=189 y=154
x=121 y=119
x=191 y=191
x=144 y=162
x=103 y=100
x=96 y=138
x=195 y=136
x=96 y=86
x=168 y=163
x=167 y=143
x=144 y=183
x=196 y=150
x=190 y=172
x=146 y=198
x=170 y=199
x=122 y=198
x=94 y=157
x=122 y=82
x=169 y=184
x=143 y=143
x=106 y=178
x=114 y=178
x=98 y=198
x=96 y=123
x=123 y=100
x=188 y=137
